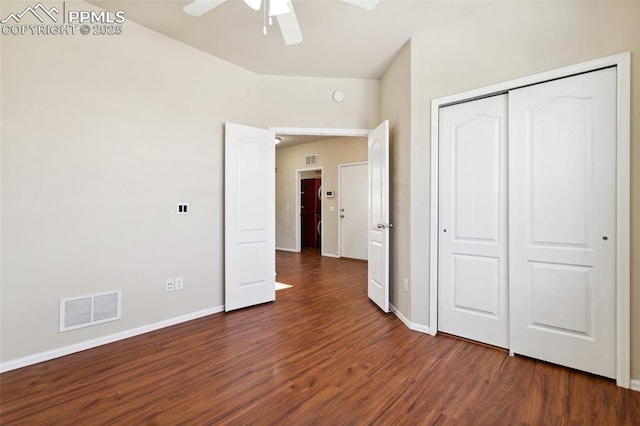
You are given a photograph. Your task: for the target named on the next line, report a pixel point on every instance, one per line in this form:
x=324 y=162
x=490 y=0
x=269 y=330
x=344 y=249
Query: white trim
x=635 y=385
x=318 y=131
x=623 y=290
x=340 y=167
x=298 y=223
x=623 y=224
x=287 y=249
x=335 y=256
x=411 y=325
x=93 y=343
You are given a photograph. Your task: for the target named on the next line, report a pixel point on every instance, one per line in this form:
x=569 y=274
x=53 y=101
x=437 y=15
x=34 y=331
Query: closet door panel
x=562 y=138
x=472 y=282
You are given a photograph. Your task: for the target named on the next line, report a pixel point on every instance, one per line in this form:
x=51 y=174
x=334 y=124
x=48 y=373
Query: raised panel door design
x=554 y=288
x=378 y=218
x=472 y=246
x=562 y=177
x=476 y=285
x=476 y=175
x=559 y=140
x=249 y=238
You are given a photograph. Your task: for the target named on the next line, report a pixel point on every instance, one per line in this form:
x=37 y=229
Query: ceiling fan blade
x=289 y=27
x=200 y=7
x=366 y=4
x=254 y=4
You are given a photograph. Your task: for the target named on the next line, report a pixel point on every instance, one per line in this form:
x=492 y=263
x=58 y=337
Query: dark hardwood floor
x=322 y=353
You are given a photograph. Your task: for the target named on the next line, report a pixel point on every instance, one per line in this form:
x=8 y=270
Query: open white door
x=378 y=223
x=249 y=194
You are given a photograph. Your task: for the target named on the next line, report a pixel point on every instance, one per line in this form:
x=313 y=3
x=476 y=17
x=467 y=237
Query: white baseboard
x=287 y=249
x=331 y=255
x=89 y=344
x=411 y=325
x=635 y=385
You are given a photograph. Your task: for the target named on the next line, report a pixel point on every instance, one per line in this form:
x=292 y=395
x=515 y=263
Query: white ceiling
x=340 y=40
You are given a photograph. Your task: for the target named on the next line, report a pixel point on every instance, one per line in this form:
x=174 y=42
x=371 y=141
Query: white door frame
x=313 y=131
x=623 y=186
x=298 y=207
x=340 y=167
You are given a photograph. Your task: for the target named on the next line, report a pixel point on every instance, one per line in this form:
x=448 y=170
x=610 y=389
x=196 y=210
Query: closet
x=527 y=221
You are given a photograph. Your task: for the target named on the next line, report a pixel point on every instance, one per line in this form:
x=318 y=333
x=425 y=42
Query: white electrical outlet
x=179 y=283
x=170 y=285
x=406 y=285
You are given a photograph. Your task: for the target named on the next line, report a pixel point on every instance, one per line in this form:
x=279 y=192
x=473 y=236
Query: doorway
x=310 y=193
x=376 y=153
x=299 y=158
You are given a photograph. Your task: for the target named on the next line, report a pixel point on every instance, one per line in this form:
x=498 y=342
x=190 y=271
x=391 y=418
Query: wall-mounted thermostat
x=328 y=193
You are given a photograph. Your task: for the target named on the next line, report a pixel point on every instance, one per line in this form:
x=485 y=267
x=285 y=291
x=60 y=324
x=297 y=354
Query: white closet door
x=562 y=138
x=472 y=282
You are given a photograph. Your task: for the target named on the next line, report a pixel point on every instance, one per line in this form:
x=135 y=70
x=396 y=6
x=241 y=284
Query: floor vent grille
x=78 y=312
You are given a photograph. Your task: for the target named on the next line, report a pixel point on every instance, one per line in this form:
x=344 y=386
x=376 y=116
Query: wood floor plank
x=322 y=353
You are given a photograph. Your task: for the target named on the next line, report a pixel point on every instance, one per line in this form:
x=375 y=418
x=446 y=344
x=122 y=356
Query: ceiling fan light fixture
x=278 y=7
x=253 y=4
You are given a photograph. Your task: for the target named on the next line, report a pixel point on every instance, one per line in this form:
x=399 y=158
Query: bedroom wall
x=100 y=138
x=307 y=102
x=331 y=152
x=395 y=106
x=503 y=42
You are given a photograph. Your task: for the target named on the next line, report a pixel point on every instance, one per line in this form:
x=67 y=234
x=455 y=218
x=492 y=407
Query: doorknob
x=341 y=216
x=380 y=226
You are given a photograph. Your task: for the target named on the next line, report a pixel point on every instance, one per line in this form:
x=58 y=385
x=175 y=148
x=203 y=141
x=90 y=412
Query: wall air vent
x=311 y=159
x=78 y=312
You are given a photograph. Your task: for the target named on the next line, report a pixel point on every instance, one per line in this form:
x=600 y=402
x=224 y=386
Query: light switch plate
x=183 y=208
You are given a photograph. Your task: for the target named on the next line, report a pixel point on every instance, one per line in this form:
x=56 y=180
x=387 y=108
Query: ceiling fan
x=281 y=9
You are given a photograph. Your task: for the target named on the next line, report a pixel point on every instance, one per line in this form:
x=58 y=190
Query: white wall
x=308 y=102
x=502 y=42
x=100 y=138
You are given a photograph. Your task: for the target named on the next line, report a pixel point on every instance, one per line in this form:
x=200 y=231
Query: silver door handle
x=385 y=226
x=380 y=226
